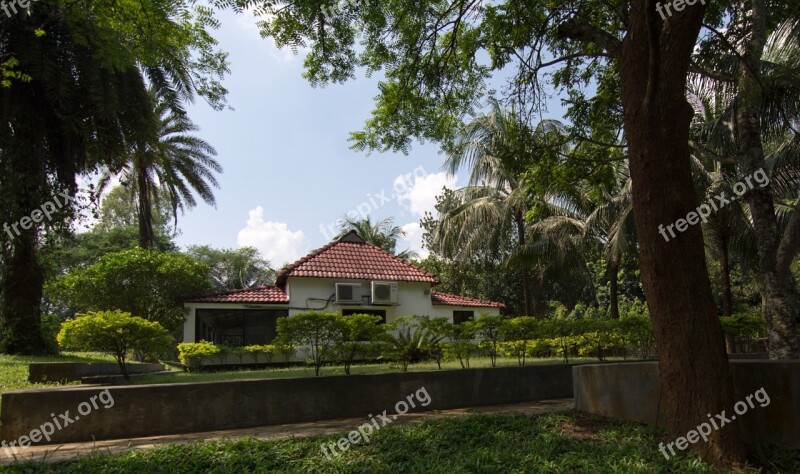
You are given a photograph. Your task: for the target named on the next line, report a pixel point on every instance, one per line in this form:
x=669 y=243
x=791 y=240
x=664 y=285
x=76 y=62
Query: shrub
x=193 y=354
x=491 y=330
x=408 y=341
x=437 y=329
x=359 y=329
x=518 y=332
x=116 y=333
x=319 y=333
x=564 y=335
x=598 y=337
x=461 y=347
x=268 y=351
x=742 y=327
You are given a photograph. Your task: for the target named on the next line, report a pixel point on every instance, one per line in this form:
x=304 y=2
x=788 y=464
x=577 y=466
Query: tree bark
x=653 y=61
x=146 y=236
x=519 y=221
x=725 y=276
x=24 y=185
x=781 y=303
x=613 y=288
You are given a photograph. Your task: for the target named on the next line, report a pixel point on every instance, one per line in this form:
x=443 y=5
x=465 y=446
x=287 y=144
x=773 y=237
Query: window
x=462 y=316
x=237 y=327
x=374 y=312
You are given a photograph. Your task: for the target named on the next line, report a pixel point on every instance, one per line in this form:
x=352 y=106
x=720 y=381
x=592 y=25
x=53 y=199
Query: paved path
x=55 y=453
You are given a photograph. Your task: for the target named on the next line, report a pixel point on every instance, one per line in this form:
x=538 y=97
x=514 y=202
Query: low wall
x=44 y=372
x=149 y=410
x=631 y=392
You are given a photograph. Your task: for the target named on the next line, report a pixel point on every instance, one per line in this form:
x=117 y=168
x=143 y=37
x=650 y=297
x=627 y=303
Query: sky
x=289 y=172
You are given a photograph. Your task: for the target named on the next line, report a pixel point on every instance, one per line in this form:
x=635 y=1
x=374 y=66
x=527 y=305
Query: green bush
x=359 y=329
x=319 y=333
x=409 y=341
x=460 y=342
x=491 y=330
x=267 y=350
x=116 y=333
x=518 y=333
x=743 y=327
x=193 y=354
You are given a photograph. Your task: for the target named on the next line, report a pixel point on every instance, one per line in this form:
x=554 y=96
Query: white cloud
x=420 y=196
x=413 y=240
x=274 y=240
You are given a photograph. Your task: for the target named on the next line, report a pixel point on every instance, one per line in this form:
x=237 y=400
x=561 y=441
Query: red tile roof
x=262 y=294
x=351 y=257
x=438 y=298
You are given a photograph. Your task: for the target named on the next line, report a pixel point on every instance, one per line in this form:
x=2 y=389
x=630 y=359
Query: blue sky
x=288 y=169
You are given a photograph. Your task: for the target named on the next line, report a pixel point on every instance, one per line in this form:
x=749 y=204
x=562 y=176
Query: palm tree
x=582 y=220
x=169 y=160
x=491 y=210
x=754 y=127
x=383 y=234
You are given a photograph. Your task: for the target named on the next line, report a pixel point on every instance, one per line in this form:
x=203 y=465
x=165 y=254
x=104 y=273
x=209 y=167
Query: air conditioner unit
x=384 y=292
x=347 y=293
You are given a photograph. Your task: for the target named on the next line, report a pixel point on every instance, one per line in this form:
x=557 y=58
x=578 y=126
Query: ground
x=562 y=442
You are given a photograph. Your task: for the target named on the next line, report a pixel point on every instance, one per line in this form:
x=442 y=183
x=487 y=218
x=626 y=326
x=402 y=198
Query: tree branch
x=583 y=32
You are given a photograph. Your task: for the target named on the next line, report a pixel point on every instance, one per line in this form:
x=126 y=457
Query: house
x=348 y=276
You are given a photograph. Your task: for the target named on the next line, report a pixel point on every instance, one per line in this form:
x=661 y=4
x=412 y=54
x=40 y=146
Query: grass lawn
x=14 y=369
x=564 y=442
x=365 y=369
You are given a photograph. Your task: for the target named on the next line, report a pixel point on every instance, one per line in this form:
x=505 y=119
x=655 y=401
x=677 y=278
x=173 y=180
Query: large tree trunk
x=654 y=62
x=781 y=304
x=23 y=186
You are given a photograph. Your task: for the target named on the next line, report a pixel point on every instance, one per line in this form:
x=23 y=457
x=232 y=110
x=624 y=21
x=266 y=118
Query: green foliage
x=193 y=354
x=518 y=334
x=409 y=341
x=491 y=330
x=268 y=351
x=598 y=337
x=564 y=335
x=743 y=327
x=460 y=342
x=116 y=333
x=146 y=282
x=359 y=331
x=552 y=443
x=232 y=269
x=318 y=333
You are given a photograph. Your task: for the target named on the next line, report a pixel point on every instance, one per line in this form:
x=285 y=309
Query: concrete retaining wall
x=148 y=410
x=44 y=372
x=631 y=392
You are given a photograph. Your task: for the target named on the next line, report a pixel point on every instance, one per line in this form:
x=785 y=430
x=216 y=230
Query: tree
x=116 y=333
x=491 y=330
x=171 y=161
x=231 y=269
x=118 y=208
x=383 y=234
x=755 y=90
x=459 y=338
x=361 y=331
x=318 y=333
x=72 y=96
x=146 y=282
x=433 y=56
x=496 y=148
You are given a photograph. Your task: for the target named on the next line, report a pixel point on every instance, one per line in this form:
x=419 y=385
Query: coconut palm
x=169 y=160
x=490 y=212
x=755 y=127
x=383 y=234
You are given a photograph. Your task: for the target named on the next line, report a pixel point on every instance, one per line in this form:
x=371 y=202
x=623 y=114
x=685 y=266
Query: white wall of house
x=316 y=294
